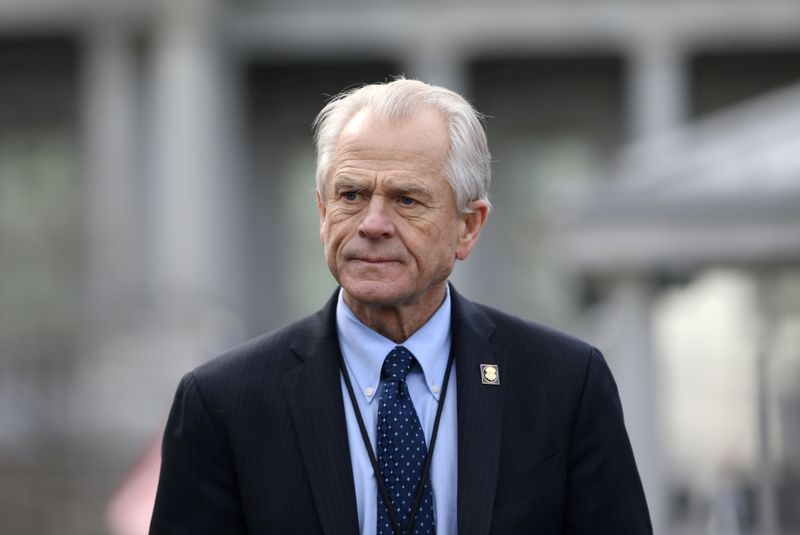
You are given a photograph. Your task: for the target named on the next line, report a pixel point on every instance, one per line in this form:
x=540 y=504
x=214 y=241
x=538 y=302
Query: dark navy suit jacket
x=256 y=440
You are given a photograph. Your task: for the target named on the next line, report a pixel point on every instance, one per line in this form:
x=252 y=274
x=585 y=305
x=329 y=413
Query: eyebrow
x=405 y=188
x=349 y=183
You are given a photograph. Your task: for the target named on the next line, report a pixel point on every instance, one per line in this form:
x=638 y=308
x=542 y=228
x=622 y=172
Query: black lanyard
x=425 y=468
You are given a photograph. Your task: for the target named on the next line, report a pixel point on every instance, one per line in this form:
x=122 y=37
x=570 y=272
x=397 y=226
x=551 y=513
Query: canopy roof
x=725 y=190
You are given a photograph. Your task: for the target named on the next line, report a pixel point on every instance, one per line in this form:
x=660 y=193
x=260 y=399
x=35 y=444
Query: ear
x=323 y=211
x=469 y=228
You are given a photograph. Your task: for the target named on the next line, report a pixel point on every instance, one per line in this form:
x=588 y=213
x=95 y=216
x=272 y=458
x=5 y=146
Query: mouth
x=371 y=260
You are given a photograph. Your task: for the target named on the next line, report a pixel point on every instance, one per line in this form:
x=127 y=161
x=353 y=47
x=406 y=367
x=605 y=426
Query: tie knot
x=397 y=364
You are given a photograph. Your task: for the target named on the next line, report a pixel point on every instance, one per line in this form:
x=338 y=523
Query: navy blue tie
x=401 y=449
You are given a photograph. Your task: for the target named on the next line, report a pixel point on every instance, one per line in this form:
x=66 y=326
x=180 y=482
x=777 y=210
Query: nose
x=377 y=222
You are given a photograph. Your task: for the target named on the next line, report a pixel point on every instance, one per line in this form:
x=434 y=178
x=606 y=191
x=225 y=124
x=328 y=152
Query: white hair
x=468 y=167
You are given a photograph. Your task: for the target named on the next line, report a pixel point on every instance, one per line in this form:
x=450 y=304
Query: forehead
x=418 y=140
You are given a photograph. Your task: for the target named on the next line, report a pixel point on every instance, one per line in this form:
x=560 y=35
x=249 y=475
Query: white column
x=194 y=189
x=632 y=361
x=434 y=62
x=657 y=87
x=112 y=182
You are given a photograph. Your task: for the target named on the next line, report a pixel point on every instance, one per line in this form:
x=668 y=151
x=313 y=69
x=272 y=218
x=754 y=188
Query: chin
x=376 y=293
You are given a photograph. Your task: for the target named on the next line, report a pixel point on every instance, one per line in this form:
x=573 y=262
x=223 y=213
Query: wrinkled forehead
x=419 y=139
x=422 y=134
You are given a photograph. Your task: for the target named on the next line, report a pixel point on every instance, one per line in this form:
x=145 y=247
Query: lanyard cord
x=428 y=457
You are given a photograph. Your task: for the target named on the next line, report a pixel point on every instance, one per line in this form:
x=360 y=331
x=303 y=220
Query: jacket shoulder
x=261 y=359
x=522 y=333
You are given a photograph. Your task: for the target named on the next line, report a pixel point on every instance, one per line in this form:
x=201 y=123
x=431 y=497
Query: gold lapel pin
x=490 y=374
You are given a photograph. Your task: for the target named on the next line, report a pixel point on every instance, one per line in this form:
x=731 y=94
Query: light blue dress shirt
x=364 y=351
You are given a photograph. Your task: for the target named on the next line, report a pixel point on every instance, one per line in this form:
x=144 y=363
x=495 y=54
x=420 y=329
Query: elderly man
x=401 y=407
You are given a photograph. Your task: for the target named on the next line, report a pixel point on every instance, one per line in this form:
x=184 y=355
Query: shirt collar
x=364 y=349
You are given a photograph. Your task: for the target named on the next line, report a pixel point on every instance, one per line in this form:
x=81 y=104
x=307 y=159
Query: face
x=389 y=223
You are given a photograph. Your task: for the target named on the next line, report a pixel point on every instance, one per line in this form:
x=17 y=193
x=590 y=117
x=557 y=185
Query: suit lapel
x=314 y=394
x=480 y=411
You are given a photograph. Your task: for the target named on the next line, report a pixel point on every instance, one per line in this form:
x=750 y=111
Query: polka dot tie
x=401 y=449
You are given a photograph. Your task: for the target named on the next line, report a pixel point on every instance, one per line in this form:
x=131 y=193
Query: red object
x=131 y=506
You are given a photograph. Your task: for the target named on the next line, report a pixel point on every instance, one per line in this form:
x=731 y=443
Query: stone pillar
x=435 y=62
x=657 y=87
x=632 y=362
x=194 y=188
x=113 y=184
x=112 y=268
x=193 y=272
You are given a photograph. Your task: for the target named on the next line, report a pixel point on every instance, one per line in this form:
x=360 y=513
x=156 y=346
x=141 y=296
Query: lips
x=371 y=257
x=369 y=260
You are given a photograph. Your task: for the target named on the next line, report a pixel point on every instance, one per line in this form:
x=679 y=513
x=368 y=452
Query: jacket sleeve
x=604 y=492
x=197 y=488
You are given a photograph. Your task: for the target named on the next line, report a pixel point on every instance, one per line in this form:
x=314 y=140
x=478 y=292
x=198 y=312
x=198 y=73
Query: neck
x=397 y=322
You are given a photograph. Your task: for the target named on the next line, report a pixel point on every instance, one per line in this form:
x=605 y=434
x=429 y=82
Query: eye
x=407 y=201
x=350 y=195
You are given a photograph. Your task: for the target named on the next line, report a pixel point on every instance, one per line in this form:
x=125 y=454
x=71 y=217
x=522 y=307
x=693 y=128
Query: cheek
x=333 y=237
x=444 y=233
x=436 y=249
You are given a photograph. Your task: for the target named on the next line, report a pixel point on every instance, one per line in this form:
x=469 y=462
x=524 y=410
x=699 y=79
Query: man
x=401 y=407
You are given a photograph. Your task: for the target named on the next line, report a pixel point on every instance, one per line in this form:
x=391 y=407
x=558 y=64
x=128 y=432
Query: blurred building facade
x=157 y=206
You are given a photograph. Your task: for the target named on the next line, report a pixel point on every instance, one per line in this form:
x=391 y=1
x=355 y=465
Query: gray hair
x=468 y=167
